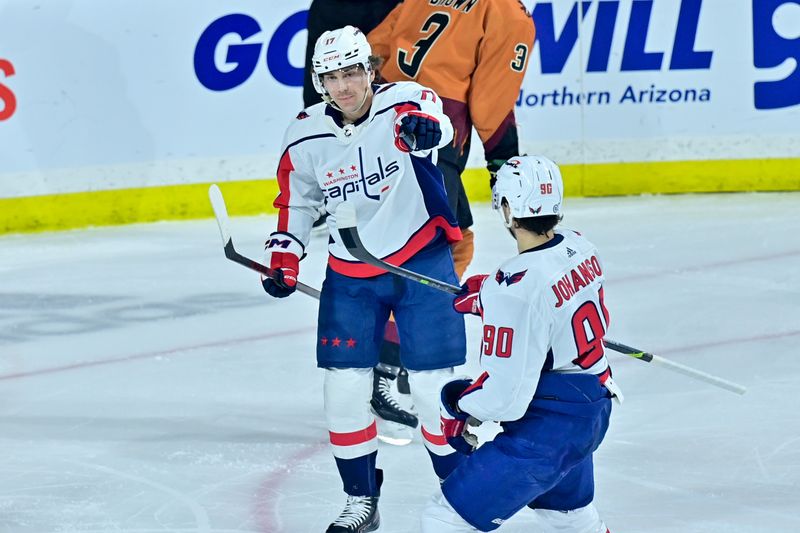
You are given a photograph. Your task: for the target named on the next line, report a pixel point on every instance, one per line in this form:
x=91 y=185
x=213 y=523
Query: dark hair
x=376 y=62
x=538 y=225
x=348 y=68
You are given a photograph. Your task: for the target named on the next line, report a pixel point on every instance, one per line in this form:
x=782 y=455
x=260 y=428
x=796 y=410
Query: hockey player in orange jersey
x=474 y=54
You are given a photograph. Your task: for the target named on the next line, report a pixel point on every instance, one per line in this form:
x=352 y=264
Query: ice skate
x=360 y=515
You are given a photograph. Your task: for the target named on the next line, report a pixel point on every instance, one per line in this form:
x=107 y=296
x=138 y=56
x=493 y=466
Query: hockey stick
x=390 y=432
x=672 y=365
x=346 y=223
x=221 y=214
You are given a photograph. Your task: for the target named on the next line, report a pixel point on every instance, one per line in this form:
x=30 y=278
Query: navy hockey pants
x=543 y=459
x=353 y=313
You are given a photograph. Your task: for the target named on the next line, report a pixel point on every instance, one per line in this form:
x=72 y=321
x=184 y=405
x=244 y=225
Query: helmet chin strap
x=364 y=99
x=507 y=221
x=329 y=101
x=509 y=224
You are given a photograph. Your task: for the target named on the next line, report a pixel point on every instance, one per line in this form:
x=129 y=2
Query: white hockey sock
x=582 y=520
x=440 y=517
x=425 y=390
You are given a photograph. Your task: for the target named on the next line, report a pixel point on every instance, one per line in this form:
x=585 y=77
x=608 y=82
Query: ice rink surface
x=147 y=384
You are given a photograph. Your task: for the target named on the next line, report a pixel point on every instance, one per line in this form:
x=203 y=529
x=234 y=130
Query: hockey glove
x=468 y=300
x=493 y=166
x=417 y=131
x=455 y=422
x=284 y=252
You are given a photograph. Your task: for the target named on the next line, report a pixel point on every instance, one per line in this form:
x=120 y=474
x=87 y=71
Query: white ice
x=147 y=384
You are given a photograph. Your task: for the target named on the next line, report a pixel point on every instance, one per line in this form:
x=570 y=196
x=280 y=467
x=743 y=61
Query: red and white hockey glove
x=416 y=131
x=455 y=422
x=283 y=254
x=468 y=300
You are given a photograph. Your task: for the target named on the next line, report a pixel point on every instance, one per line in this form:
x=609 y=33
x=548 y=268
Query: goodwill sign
x=133 y=94
x=613 y=79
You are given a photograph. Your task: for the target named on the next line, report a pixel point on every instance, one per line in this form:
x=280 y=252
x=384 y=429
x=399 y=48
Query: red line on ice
x=740 y=340
x=701 y=268
x=265 y=510
x=150 y=355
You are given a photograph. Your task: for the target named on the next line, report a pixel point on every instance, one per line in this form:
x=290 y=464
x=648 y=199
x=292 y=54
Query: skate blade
x=394 y=433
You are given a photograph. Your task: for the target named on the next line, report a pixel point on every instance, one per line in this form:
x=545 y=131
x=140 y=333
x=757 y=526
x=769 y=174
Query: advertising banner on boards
x=141 y=94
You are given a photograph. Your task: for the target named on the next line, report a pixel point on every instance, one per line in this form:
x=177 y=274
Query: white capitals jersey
x=543 y=310
x=400 y=200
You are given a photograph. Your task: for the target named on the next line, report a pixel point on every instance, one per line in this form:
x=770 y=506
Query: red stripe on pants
x=356 y=437
x=438 y=440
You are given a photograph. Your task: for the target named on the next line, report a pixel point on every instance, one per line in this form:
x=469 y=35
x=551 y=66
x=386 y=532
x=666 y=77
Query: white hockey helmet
x=336 y=49
x=531 y=185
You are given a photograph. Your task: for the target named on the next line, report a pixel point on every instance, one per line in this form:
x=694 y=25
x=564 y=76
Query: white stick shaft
x=220 y=212
x=698 y=374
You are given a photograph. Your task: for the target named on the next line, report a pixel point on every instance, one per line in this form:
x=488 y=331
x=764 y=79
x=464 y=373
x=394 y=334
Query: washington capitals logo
x=509 y=279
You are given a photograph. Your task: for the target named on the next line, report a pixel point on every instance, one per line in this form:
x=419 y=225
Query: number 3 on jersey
x=439 y=22
x=497 y=341
x=410 y=62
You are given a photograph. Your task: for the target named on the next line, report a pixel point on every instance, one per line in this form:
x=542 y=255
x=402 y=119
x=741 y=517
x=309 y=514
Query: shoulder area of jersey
x=402 y=90
x=521 y=5
x=310 y=111
x=517 y=5
x=514 y=15
x=306 y=122
x=512 y=272
x=574 y=236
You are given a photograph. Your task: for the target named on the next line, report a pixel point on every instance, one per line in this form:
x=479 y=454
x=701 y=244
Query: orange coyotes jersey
x=470 y=51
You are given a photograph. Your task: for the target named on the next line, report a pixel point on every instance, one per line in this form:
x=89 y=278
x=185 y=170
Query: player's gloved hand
x=282 y=285
x=493 y=166
x=455 y=422
x=468 y=300
x=416 y=131
x=284 y=252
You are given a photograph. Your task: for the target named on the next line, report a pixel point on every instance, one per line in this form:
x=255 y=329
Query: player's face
x=348 y=88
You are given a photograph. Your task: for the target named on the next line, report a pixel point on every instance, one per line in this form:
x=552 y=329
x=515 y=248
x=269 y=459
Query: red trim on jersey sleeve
x=423 y=115
x=477 y=384
x=604 y=375
x=405 y=108
x=285 y=168
x=418 y=241
x=438 y=440
x=355 y=437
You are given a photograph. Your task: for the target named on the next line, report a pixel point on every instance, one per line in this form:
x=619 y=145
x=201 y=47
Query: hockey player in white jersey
x=546 y=378
x=374 y=147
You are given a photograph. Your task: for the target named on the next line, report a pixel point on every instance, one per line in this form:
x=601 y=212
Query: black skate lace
x=355 y=511
x=386 y=393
